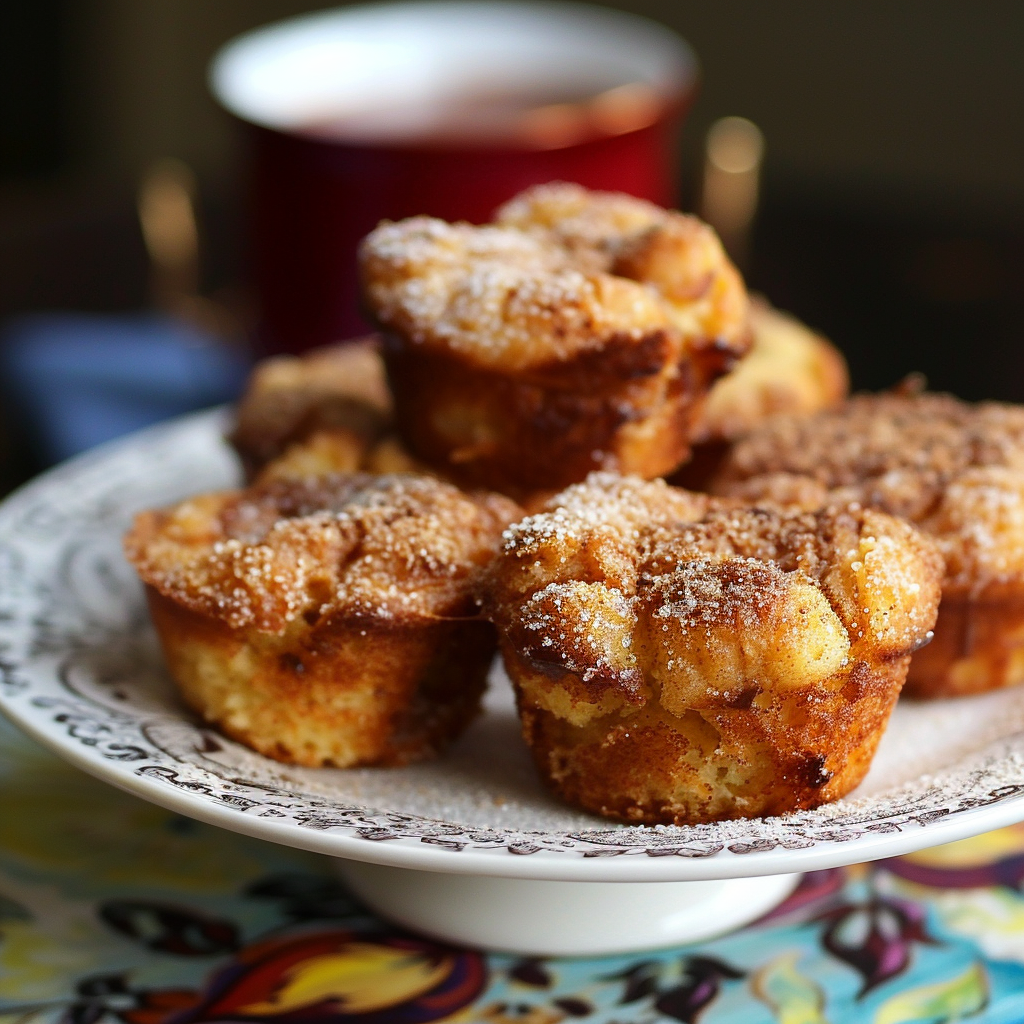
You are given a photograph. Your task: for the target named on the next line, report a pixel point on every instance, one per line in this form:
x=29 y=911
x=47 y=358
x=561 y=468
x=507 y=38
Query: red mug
x=441 y=108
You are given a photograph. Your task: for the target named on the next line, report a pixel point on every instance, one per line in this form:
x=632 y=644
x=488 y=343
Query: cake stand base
x=544 y=918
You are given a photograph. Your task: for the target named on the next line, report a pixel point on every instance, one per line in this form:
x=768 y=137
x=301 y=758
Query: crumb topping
x=389 y=547
x=622 y=581
x=954 y=469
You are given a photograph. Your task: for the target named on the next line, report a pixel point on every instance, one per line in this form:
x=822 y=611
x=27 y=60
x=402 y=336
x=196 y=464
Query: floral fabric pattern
x=114 y=911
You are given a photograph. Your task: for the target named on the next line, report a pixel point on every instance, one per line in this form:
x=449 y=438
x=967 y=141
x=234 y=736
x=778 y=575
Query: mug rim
x=277 y=76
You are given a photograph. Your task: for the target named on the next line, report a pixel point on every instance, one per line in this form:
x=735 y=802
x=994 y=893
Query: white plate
x=81 y=672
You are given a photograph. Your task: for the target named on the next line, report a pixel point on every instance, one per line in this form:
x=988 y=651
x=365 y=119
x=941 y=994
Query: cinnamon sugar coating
x=589 y=225
x=579 y=331
x=678 y=256
x=328 y=620
x=956 y=471
x=679 y=658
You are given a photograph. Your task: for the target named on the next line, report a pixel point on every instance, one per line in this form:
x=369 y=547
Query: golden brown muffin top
x=622 y=582
x=954 y=469
x=789 y=370
x=390 y=548
x=339 y=388
x=324 y=452
x=328 y=411
x=535 y=289
x=589 y=225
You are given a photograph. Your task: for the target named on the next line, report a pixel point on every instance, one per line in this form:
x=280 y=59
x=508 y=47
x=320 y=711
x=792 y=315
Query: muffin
x=956 y=471
x=680 y=659
x=338 y=394
x=580 y=331
x=326 y=621
x=789 y=370
x=328 y=411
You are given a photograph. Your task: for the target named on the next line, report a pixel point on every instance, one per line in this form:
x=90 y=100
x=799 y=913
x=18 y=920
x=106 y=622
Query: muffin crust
x=681 y=659
x=326 y=621
x=522 y=356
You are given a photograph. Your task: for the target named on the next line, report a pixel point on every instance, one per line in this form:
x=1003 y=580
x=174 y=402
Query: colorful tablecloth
x=113 y=911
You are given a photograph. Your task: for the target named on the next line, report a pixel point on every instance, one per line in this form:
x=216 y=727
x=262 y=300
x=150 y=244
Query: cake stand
x=470 y=847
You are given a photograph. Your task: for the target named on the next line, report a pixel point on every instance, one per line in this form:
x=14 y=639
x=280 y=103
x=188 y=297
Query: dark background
x=892 y=213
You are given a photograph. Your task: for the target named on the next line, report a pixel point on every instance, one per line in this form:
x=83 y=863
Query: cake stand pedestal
x=544 y=918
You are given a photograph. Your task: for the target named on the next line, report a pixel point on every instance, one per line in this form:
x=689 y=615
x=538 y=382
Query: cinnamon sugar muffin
x=327 y=411
x=327 y=621
x=789 y=370
x=580 y=331
x=953 y=469
x=678 y=659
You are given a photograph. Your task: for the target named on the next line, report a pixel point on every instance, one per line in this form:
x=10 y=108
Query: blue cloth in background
x=75 y=380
